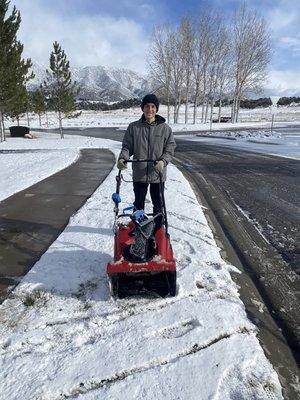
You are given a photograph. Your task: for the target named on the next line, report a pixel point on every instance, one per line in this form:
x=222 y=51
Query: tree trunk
x=220 y=107
x=234 y=105
x=28 y=121
x=168 y=101
x=238 y=109
x=206 y=110
x=211 y=110
x=211 y=115
x=175 y=104
x=60 y=125
x=203 y=109
x=232 y=111
x=47 y=121
x=186 y=101
x=195 y=104
x=195 y=111
x=40 y=120
x=3 y=128
x=177 y=108
x=186 y=112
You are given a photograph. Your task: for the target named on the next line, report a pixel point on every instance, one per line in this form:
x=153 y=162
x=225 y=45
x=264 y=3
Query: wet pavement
x=32 y=219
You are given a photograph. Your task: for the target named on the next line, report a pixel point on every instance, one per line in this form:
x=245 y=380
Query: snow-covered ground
x=260 y=140
x=21 y=170
x=63 y=336
x=257 y=118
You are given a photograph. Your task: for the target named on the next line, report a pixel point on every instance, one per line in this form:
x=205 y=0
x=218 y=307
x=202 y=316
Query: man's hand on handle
x=121 y=164
x=159 y=166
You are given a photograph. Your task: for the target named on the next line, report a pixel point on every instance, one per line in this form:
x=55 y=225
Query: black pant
x=140 y=191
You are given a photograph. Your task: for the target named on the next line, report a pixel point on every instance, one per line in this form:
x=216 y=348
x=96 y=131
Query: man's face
x=149 y=110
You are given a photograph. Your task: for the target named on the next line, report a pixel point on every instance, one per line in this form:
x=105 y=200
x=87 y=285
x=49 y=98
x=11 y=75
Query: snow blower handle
x=160 y=187
x=139 y=160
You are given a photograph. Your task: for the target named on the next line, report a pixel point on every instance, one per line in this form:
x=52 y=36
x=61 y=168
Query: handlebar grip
x=142 y=160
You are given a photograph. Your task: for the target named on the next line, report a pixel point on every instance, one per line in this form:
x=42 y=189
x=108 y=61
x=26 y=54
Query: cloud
x=87 y=39
x=285 y=83
x=280 y=19
x=292 y=42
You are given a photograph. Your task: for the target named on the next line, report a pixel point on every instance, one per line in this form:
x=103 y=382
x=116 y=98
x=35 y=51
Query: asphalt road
x=265 y=188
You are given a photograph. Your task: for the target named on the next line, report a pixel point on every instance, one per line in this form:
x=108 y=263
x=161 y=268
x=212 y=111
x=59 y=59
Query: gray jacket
x=148 y=141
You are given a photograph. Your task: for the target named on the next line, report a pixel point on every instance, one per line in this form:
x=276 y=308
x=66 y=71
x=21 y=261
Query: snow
x=255 y=118
x=28 y=169
x=63 y=336
x=261 y=140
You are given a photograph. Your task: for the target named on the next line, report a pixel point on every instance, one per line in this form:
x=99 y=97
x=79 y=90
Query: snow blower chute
x=143 y=256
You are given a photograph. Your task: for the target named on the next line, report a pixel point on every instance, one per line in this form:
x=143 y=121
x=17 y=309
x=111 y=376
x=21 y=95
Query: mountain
x=100 y=83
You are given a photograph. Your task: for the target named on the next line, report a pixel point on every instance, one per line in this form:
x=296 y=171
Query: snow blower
x=143 y=256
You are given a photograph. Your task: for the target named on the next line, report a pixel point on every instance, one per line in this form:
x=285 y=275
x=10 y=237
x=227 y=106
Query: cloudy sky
x=118 y=33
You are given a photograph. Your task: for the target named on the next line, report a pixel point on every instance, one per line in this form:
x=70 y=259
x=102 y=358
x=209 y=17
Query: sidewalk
x=32 y=219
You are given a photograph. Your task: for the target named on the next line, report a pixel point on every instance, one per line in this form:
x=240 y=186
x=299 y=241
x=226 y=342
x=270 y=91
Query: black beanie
x=150 y=98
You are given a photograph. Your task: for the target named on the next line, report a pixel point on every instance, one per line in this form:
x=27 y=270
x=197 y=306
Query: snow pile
x=63 y=336
x=262 y=135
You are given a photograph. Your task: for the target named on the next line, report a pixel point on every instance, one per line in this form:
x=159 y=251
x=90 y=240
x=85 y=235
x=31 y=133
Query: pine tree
x=38 y=102
x=59 y=86
x=13 y=68
x=18 y=104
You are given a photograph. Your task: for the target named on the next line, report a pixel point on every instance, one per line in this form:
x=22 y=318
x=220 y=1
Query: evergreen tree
x=18 y=104
x=38 y=102
x=59 y=86
x=13 y=68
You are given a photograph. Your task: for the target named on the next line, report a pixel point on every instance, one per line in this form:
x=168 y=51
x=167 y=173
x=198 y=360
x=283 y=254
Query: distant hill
x=107 y=84
x=100 y=83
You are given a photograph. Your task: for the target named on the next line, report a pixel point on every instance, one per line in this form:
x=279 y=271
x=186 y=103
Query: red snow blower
x=143 y=256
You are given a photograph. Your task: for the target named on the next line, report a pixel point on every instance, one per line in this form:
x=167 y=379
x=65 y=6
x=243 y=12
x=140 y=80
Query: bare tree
x=205 y=60
x=225 y=68
x=177 y=72
x=186 y=33
x=159 y=62
x=219 y=66
x=251 y=52
x=202 y=55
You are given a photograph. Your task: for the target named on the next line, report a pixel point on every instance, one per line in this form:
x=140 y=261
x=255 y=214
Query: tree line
x=204 y=60
x=57 y=92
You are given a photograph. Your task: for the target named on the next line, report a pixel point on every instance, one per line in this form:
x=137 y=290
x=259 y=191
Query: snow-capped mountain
x=100 y=83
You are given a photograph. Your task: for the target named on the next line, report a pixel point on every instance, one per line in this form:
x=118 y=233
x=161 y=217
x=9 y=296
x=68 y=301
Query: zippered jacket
x=148 y=141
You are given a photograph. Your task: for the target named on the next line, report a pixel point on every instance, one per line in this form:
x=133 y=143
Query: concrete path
x=32 y=219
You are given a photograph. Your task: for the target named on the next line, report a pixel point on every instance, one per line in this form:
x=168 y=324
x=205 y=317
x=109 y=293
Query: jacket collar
x=158 y=119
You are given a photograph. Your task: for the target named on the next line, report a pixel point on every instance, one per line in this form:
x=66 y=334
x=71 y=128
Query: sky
x=118 y=33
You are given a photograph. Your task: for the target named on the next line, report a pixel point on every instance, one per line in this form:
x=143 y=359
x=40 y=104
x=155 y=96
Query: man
x=148 y=138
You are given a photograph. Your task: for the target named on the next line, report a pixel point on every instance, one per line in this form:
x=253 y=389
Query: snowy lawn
x=21 y=169
x=63 y=336
x=255 y=118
